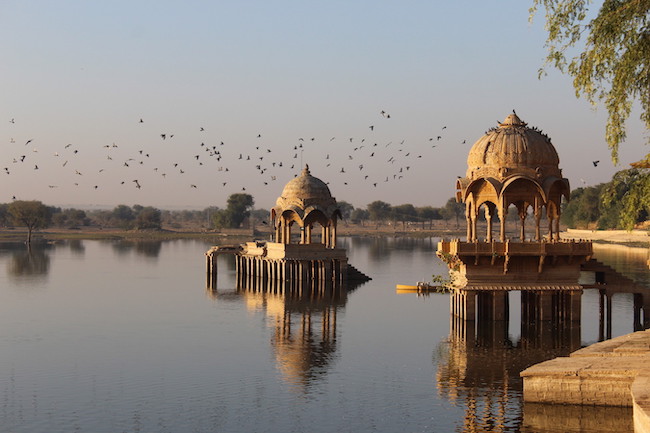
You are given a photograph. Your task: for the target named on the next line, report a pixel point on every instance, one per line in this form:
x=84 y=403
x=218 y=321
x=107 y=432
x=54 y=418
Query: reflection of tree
x=380 y=249
x=34 y=262
x=77 y=246
x=146 y=248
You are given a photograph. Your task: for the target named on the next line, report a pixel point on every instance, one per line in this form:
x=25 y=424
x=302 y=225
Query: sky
x=247 y=92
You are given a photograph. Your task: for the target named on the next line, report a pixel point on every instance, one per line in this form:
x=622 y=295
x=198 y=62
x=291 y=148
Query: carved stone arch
x=522 y=188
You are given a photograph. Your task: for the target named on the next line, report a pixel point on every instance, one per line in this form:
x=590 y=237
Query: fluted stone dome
x=512 y=165
x=513 y=148
x=304 y=194
x=306 y=187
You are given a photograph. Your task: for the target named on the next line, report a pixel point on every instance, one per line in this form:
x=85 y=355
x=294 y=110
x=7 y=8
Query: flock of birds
x=170 y=158
x=199 y=160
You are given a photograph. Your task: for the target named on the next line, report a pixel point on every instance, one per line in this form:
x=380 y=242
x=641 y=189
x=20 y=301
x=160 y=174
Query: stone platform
x=615 y=372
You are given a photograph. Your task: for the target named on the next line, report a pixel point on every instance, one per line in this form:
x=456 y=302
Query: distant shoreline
x=635 y=238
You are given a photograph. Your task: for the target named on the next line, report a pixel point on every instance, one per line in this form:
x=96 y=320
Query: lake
x=123 y=336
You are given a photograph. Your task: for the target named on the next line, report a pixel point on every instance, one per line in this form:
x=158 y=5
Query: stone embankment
x=615 y=236
x=615 y=372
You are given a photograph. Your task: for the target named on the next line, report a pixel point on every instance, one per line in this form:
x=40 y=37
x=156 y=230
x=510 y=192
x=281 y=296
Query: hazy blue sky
x=79 y=76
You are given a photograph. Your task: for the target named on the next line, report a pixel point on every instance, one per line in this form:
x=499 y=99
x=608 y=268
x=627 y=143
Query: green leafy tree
x=148 y=218
x=613 y=62
x=583 y=209
x=359 y=215
x=404 y=213
x=453 y=210
x=379 y=210
x=238 y=209
x=123 y=216
x=629 y=193
x=5 y=218
x=428 y=213
x=346 y=209
x=31 y=214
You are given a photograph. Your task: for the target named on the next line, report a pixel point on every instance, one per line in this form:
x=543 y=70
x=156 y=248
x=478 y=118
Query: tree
x=346 y=209
x=629 y=192
x=378 y=210
x=428 y=213
x=148 y=218
x=359 y=215
x=583 y=208
x=5 y=218
x=31 y=214
x=123 y=215
x=404 y=212
x=453 y=209
x=614 y=65
x=238 y=209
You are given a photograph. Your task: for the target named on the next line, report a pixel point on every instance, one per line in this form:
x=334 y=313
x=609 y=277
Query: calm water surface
x=108 y=336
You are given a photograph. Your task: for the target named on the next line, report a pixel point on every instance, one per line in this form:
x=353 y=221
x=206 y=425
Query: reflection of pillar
x=601 y=315
x=636 y=318
x=608 y=299
x=646 y=312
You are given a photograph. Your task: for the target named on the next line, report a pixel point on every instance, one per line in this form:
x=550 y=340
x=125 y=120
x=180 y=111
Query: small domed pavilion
x=282 y=265
x=305 y=200
x=513 y=164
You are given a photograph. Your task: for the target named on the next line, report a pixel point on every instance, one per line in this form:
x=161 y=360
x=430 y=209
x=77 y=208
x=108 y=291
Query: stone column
x=488 y=218
x=538 y=218
x=308 y=234
x=503 y=213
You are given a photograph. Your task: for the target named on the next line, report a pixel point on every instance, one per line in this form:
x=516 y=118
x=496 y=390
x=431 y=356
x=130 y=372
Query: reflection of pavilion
x=480 y=367
x=303 y=320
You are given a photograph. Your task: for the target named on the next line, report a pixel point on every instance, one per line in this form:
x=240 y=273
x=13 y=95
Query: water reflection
x=479 y=366
x=381 y=248
x=303 y=320
x=144 y=248
x=34 y=262
x=77 y=246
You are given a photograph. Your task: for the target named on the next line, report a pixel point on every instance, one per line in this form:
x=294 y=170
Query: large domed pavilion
x=513 y=164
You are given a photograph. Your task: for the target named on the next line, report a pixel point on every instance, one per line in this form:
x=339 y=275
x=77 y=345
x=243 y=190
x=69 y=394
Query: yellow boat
x=417 y=288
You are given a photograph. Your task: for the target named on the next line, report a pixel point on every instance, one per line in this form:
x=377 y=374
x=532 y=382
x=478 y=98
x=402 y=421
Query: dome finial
x=512 y=120
x=305 y=171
